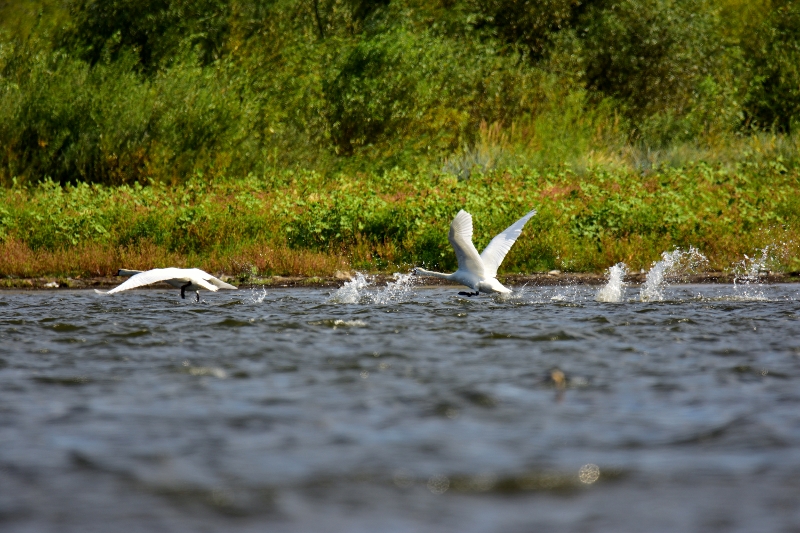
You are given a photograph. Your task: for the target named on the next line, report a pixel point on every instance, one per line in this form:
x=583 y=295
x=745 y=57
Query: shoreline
x=538 y=279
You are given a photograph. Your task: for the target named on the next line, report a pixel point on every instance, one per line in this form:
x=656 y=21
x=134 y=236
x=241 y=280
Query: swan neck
x=432 y=274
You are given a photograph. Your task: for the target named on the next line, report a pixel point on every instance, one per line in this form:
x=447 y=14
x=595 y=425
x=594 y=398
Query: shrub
x=662 y=61
x=422 y=91
x=530 y=23
x=165 y=90
x=773 y=54
x=68 y=121
x=155 y=30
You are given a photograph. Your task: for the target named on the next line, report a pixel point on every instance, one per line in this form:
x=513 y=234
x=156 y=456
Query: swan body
x=192 y=279
x=478 y=271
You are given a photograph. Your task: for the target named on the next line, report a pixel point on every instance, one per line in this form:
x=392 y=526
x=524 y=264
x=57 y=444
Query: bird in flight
x=478 y=271
x=192 y=279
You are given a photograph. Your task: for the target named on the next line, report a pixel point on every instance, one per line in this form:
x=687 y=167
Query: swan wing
x=460 y=238
x=198 y=276
x=496 y=251
x=218 y=283
x=154 y=276
x=206 y=285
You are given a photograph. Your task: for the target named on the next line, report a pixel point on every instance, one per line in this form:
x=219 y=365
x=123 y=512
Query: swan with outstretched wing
x=478 y=271
x=192 y=279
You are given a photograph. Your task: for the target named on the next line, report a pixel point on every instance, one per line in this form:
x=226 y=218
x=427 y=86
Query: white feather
x=460 y=238
x=497 y=250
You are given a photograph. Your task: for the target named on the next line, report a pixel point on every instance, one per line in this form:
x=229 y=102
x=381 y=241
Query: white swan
x=478 y=271
x=192 y=279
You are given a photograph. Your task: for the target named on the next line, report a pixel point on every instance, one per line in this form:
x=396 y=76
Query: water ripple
x=307 y=410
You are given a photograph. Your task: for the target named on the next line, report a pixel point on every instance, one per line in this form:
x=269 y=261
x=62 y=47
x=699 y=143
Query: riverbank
x=538 y=279
x=305 y=225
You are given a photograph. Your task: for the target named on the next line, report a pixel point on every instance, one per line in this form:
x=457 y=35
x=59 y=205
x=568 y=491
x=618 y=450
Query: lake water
x=401 y=409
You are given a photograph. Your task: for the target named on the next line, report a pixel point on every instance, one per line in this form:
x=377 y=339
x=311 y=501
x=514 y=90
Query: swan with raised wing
x=478 y=271
x=192 y=279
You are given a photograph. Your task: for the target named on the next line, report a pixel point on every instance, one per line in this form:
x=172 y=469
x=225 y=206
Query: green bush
x=418 y=90
x=773 y=52
x=155 y=30
x=662 y=61
x=384 y=221
x=70 y=122
x=530 y=23
x=65 y=120
x=165 y=90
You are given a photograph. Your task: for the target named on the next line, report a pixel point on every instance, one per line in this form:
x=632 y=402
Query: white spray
x=257 y=296
x=672 y=265
x=349 y=293
x=397 y=290
x=614 y=289
x=355 y=290
x=747 y=282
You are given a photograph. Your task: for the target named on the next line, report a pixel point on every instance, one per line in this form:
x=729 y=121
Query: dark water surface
x=408 y=410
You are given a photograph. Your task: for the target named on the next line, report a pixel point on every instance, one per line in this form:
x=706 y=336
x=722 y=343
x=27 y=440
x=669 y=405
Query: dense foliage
x=306 y=136
x=126 y=91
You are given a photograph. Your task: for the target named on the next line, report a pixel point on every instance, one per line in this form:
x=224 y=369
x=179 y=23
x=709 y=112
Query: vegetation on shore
x=301 y=137
x=304 y=223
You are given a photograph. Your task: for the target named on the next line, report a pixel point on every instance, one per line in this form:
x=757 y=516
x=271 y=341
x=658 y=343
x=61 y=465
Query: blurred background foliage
x=140 y=91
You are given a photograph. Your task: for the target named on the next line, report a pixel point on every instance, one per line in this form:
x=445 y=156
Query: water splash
x=257 y=296
x=350 y=292
x=673 y=264
x=397 y=290
x=748 y=273
x=357 y=290
x=614 y=289
x=518 y=295
x=570 y=294
x=751 y=269
x=506 y=297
